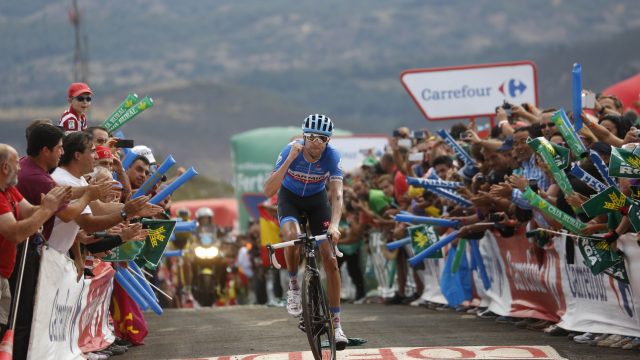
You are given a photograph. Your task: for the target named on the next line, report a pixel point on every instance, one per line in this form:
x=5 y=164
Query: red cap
x=76 y=89
x=104 y=152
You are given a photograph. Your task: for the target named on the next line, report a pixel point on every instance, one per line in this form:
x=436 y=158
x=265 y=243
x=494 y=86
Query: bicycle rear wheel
x=318 y=321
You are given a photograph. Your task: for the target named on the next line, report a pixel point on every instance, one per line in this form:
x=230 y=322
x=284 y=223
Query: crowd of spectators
x=61 y=193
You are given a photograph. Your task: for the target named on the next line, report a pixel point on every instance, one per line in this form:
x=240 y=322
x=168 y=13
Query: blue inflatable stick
x=155 y=177
x=475 y=254
x=577 y=96
x=398 y=243
x=416 y=260
x=427 y=220
x=191 y=172
x=142 y=279
x=131 y=291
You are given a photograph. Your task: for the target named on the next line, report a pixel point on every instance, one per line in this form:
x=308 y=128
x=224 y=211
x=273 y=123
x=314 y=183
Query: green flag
x=625 y=163
x=635 y=192
x=154 y=245
x=618 y=271
x=127 y=251
x=423 y=236
x=461 y=250
x=597 y=254
x=610 y=200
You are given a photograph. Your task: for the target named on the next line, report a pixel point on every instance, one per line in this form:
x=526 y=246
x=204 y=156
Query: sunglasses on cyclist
x=316 y=138
x=547 y=125
x=83 y=98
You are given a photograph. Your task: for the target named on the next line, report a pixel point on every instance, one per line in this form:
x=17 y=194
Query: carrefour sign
x=470 y=91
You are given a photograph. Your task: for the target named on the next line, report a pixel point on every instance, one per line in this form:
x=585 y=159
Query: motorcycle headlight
x=206 y=252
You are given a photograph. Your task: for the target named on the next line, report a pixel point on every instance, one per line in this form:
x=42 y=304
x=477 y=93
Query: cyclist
x=300 y=175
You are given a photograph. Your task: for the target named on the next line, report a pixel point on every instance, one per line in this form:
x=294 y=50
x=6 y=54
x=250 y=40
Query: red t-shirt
x=9 y=203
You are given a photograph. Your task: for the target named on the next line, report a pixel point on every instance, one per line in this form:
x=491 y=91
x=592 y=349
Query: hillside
x=216 y=69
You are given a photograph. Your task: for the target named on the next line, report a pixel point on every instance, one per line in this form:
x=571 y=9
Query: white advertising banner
x=69 y=317
x=600 y=303
x=498 y=297
x=470 y=91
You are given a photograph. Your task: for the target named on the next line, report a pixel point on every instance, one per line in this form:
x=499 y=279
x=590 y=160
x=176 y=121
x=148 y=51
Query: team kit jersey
x=70 y=121
x=305 y=178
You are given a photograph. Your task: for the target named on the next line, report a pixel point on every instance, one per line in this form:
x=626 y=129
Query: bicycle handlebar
x=317 y=238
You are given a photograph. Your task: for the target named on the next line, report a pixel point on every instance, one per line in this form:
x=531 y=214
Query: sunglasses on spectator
x=83 y=98
x=316 y=138
x=547 y=125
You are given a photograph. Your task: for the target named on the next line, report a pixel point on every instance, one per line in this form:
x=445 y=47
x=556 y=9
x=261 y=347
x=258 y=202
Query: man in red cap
x=79 y=97
x=105 y=157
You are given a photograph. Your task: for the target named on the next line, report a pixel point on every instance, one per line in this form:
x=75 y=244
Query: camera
x=124 y=143
x=418 y=135
x=507 y=108
x=480 y=179
x=396 y=133
x=533 y=184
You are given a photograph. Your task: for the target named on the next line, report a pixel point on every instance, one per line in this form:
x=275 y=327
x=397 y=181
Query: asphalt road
x=188 y=333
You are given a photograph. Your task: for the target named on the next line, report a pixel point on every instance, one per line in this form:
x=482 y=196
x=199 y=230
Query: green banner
x=635 y=192
x=423 y=236
x=553 y=156
x=610 y=200
x=569 y=222
x=154 y=245
x=132 y=112
x=625 y=163
x=597 y=254
x=127 y=251
x=131 y=100
x=564 y=126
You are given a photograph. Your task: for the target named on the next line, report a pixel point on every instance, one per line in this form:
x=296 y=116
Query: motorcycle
x=209 y=269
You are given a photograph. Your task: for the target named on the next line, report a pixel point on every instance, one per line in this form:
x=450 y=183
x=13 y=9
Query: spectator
x=18 y=220
x=79 y=97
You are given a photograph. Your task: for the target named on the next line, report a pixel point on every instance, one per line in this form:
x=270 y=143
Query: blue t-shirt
x=304 y=178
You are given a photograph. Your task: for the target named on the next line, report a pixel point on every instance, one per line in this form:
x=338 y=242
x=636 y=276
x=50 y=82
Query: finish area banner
x=70 y=317
x=552 y=283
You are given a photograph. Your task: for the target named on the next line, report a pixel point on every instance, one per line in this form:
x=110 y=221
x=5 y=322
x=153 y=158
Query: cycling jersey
x=304 y=178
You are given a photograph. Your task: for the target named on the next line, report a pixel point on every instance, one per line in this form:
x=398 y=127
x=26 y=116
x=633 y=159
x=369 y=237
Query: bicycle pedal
x=341 y=346
x=301 y=325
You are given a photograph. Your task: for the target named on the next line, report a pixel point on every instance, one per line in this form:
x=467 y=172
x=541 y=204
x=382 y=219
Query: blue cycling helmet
x=318 y=124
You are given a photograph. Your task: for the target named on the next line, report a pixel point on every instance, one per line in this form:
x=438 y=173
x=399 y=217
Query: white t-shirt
x=63 y=234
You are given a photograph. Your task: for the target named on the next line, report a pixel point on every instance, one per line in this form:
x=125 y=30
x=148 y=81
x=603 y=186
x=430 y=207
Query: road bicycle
x=316 y=320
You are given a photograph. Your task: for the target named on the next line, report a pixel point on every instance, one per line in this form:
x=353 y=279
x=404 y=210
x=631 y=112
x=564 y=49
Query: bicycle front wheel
x=318 y=321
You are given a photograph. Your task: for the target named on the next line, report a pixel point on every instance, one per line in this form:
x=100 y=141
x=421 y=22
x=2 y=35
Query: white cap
x=144 y=151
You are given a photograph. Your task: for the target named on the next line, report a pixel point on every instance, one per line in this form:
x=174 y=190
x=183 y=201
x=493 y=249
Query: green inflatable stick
x=570 y=223
x=461 y=250
x=552 y=156
x=141 y=106
x=131 y=100
x=564 y=126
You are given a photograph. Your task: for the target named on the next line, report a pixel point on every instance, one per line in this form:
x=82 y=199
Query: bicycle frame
x=316 y=320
